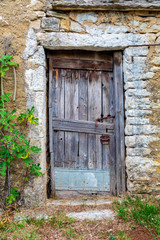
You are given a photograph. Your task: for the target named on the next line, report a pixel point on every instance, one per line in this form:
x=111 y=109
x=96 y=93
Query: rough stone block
x=140 y=130
x=132 y=152
x=65 y=24
x=50 y=24
x=39 y=58
x=76 y=27
x=135 y=85
x=140 y=93
x=156 y=61
x=137 y=113
x=136 y=121
x=137 y=104
x=36 y=78
x=139 y=141
x=138 y=51
x=31 y=44
x=102 y=5
x=56 y=14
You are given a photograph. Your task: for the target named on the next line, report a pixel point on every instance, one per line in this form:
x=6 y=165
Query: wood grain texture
x=82 y=64
x=77 y=98
x=119 y=123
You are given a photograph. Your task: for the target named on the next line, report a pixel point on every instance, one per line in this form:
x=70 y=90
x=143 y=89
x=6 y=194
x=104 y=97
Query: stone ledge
x=106 y=4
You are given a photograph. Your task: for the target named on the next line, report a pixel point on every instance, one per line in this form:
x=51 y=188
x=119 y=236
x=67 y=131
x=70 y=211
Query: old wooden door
x=84 y=118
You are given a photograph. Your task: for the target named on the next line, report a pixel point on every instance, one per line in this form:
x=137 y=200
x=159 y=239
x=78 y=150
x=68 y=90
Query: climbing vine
x=13 y=142
x=5 y=64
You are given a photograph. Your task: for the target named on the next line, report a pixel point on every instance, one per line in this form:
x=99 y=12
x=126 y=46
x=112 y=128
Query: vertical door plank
x=71 y=112
x=51 y=128
x=112 y=156
x=112 y=95
x=105 y=112
x=119 y=123
x=105 y=94
x=58 y=112
x=83 y=115
x=94 y=111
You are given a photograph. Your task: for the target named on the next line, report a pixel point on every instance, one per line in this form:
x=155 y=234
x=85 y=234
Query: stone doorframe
x=134 y=72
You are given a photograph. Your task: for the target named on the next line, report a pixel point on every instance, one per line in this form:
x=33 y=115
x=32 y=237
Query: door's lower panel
x=82 y=179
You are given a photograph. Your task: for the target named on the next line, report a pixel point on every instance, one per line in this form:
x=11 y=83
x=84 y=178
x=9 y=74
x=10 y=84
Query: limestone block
x=138 y=51
x=65 y=24
x=104 y=29
x=102 y=5
x=86 y=17
x=156 y=61
x=155 y=28
x=139 y=141
x=138 y=85
x=155 y=69
x=35 y=24
x=100 y=42
x=147 y=75
x=56 y=14
x=31 y=44
x=140 y=93
x=137 y=113
x=138 y=152
x=131 y=130
x=136 y=103
x=137 y=121
x=50 y=23
x=35 y=78
x=76 y=27
x=39 y=58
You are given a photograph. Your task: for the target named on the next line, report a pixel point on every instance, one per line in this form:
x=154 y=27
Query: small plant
x=5 y=63
x=141 y=211
x=111 y=237
x=122 y=235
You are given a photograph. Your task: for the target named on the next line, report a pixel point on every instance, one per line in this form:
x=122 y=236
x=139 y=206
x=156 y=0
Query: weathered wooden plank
x=55 y=90
x=105 y=156
x=105 y=94
x=94 y=111
x=112 y=165
x=119 y=56
x=59 y=148
x=83 y=115
x=81 y=55
x=61 y=92
x=119 y=123
x=82 y=126
x=50 y=107
x=82 y=64
x=52 y=175
x=71 y=150
x=112 y=95
x=71 y=113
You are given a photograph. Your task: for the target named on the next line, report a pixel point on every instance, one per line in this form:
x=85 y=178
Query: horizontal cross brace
x=83 y=127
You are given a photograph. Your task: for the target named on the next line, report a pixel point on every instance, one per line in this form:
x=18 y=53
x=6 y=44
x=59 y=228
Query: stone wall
x=34 y=26
x=106 y=4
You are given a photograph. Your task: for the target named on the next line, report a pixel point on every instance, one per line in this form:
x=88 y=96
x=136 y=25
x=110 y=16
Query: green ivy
x=13 y=143
x=5 y=63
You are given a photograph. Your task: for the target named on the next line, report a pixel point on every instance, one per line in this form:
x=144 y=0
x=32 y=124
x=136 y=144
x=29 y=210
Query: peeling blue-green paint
x=82 y=179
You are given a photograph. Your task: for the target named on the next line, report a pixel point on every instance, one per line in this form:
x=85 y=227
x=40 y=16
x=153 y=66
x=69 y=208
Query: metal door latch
x=101 y=119
x=105 y=140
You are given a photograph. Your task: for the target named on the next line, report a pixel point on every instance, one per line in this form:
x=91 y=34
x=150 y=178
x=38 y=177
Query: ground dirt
x=78 y=229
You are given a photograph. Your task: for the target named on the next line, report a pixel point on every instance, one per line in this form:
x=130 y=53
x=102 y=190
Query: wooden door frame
x=118 y=175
